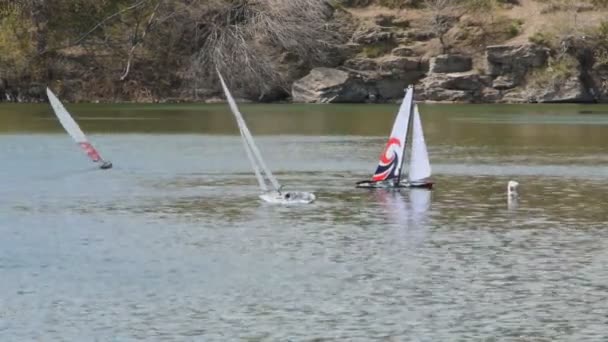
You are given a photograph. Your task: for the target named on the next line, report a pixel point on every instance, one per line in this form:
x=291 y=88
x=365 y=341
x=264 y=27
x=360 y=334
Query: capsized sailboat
x=75 y=132
x=271 y=192
x=389 y=171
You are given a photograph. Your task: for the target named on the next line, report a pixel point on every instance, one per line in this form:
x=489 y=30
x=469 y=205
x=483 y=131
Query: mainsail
x=251 y=149
x=420 y=167
x=391 y=159
x=72 y=127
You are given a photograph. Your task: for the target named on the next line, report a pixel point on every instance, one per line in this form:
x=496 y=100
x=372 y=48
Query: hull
x=393 y=185
x=288 y=197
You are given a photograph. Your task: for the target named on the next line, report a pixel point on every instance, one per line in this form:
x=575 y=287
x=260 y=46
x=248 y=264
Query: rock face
x=33 y=93
x=403 y=51
x=456 y=87
x=360 y=80
x=515 y=61
x=326 y=85
x=570 y=90
x=392 y=65
x=599 y=83
x=450 y=63
x=451 y=78
x=372 y=35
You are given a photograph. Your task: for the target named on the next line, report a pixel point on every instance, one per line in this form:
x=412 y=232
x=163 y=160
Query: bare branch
x=244 y=39
x=108 y=18
x=137 y=40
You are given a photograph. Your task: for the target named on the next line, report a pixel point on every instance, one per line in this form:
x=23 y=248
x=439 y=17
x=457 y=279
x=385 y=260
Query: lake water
x=173 y=243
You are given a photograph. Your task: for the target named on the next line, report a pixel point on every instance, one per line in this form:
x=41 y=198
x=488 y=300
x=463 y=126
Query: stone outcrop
x=403 y=51
x=569 y=90
x=450 y=63
x=447 y=78
x=393 y=66
x=360 y=80
x=599 y=87
x=456 y=87
x=372 y=35
x=514 y=61
x=327 y=85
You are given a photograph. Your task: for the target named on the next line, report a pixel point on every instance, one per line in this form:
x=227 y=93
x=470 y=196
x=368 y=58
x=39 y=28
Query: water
x=174 y=245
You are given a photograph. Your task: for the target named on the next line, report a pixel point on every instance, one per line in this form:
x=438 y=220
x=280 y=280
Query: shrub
x=542 y=38
x=378 y=49
x=515 y=27
x=557 y=71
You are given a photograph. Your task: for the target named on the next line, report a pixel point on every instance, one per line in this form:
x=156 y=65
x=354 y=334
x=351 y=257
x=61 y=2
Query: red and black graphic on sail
x=389 y=161
x=90 y=151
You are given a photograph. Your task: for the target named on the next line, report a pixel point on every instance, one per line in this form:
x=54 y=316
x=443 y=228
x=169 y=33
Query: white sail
x=72 y=127
x=420 y=167
x=256 y=169
x=65 y=118
x=391 y=159
x=248 y=139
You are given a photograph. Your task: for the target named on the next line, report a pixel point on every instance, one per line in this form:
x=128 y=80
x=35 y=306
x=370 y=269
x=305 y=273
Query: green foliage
x=71 y=19
x=557 y=71
x=480 y=5
x=515 y=28
x=385 y=3
x=15 y=43
x=602 y=31
x=600 y=3
x=600 y=38
x=542 y=38
x=378 y=49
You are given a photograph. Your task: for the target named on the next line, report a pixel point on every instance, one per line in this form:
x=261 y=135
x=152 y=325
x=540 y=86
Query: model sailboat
x=74 y=131
x=270 y=192
x=389 y=171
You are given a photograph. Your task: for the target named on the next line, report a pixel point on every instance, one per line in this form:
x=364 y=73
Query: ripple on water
x=172 y=252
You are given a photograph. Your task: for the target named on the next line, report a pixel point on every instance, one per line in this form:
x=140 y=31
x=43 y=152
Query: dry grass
x=530 y=13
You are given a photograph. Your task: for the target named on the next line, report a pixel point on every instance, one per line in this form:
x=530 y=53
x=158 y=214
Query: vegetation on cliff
x=164 y=50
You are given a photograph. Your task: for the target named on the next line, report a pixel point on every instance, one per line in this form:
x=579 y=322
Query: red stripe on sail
x=90 y=151
x=386 y=158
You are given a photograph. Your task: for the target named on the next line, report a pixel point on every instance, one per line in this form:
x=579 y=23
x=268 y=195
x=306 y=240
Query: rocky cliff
x=511 y=52
x=518 y=68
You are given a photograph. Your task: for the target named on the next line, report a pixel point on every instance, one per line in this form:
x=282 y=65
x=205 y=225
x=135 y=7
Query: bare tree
x=138 y=37
x=243 y=37
x=443 y=15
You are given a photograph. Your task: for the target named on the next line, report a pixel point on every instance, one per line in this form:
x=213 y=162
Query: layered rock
x=327 y=85
x=569 y=90
x=453 y=87
x=360 y=80
x=514 y=61
x=450 y=63
x=372 y=35
x=403 y=51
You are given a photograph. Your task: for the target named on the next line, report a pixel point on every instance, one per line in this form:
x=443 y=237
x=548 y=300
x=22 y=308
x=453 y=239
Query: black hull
x=387 y=185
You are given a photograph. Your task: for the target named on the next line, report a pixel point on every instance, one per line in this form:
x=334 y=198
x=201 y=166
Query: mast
x=256 y=170
x=409 y=128
x=248 y=139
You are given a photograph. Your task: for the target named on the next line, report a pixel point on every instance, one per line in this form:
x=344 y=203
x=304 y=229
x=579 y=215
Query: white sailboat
x=74 y=131
x=272 y=193
x=389 y=171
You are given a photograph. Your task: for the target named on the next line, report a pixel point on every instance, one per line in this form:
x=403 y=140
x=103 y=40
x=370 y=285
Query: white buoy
x=512 y=195
x=512 y=188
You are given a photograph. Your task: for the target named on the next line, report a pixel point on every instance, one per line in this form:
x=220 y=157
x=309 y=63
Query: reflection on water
x=174 y=245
